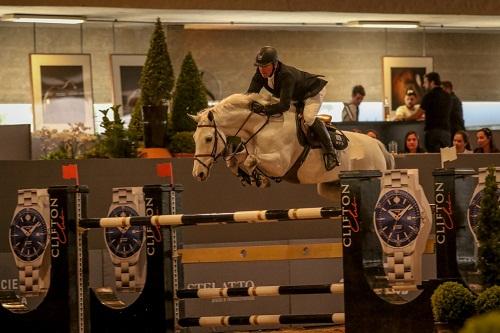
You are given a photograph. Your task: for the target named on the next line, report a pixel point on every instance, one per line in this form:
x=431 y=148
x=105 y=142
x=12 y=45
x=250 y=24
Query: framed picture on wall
x=62 y=90
x=126 y=71
x=401 y=74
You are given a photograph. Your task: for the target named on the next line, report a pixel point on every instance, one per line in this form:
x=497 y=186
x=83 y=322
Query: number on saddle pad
x=339 y=140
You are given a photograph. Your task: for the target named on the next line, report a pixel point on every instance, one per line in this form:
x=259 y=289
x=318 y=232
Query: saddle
x=307 y=138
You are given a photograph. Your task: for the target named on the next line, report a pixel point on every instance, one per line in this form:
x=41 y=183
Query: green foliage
x=452 y=303
x=488 y=300
x=157 y=76
x=485 y=323
x=189 y=96
x=136 y=126
x=72 y=143
x=182 y=142
x=488 y=233
x=115 y=140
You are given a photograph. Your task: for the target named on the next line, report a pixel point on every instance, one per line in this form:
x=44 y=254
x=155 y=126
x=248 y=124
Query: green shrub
x=488 y=233
x=189 y=96
x=452 y=303
x=182 y=142
x=157 y=76
x=114 y=142
x=136 y=126
x=488 y=300
x=485 y=323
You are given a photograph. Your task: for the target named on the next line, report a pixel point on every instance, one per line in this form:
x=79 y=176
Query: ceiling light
x=385 y=24
x=31 y=18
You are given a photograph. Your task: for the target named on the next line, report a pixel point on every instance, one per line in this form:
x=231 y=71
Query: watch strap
x=31 y=281
x=399 y=268
x=395 y=179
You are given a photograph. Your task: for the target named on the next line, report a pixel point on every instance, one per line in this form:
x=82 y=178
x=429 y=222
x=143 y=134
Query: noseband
x=214 y=155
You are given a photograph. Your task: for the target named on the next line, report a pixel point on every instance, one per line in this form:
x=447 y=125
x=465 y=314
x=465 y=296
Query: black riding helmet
x=267 y=55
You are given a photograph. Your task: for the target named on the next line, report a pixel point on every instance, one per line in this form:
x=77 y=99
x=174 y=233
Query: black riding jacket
x=290 y=84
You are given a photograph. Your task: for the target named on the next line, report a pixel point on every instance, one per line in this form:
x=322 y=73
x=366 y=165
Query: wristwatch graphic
x=29 y=238
x=125 y=244
x=475 y=203
x=402 y=221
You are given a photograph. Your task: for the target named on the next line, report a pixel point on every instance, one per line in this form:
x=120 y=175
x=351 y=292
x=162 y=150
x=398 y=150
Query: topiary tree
x=488 y=300
x=157 y=81
x=452 y=303
x=488 y=233
x=189 y=96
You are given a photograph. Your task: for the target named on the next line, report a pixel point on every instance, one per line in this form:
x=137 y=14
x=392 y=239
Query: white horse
x=272 y=145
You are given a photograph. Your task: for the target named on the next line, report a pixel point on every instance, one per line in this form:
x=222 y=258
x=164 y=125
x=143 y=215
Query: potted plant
x=115 y=141
x=488 y=300
x=189 y=98
x=452 y=304
x=157 y=80
x=484 y=323
x=488 y=233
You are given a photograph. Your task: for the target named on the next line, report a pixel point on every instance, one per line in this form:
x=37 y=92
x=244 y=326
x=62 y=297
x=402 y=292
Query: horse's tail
x=389 y=159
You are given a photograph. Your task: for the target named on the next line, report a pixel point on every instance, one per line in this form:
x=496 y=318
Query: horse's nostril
x=202 y=174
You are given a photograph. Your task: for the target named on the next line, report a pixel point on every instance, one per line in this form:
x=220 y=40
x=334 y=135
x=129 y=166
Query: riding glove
x=257 y=108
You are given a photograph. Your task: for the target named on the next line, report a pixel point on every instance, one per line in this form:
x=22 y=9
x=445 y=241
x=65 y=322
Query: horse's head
x=210 y=144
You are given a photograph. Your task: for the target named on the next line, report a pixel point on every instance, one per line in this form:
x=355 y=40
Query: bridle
x=217 y=134
x=214 y=155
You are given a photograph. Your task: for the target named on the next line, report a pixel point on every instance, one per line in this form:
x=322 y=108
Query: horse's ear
x=210 y=116
x=195 y=118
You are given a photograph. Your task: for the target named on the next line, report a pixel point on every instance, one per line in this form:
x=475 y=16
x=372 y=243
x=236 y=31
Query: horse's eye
x=208 y=139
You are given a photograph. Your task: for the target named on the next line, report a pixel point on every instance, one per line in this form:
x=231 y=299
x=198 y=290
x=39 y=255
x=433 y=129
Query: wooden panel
x=268 y=252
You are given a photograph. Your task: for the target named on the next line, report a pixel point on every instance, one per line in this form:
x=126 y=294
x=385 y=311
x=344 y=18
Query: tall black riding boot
x=329 y=154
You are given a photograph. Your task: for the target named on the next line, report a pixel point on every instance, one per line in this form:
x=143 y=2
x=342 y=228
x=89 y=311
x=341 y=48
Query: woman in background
x=461 y=142
x=412 y=143
x=484 y=139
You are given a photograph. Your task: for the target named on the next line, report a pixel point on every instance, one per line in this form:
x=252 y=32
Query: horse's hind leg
x=330 y=191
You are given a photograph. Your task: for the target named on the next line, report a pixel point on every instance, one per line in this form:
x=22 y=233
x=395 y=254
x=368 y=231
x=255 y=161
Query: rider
x=290 y=84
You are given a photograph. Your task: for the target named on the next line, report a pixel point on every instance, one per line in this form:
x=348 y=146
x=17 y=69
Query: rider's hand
x=257 y=108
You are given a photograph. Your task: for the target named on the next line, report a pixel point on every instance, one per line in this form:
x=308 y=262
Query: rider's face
x=266 y=71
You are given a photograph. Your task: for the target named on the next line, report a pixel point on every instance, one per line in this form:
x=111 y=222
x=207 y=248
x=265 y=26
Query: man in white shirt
x=350 y=112
x=409 y=108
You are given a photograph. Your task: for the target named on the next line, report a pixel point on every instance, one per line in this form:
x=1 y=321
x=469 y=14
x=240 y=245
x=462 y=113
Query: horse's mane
x=236 y=102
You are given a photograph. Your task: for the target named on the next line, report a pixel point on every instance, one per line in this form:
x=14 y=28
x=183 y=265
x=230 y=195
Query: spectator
x=403 y=112
x=461 y=142
x=485 y=142
x=436 y=105
x=372 y=133
x=412 y=143
x=350 y=112
x=457 y=113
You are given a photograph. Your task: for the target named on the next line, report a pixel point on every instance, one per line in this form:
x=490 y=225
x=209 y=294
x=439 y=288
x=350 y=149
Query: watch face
x=28 y=234
x=124 y=242
x=475 y=208
x=397 y=218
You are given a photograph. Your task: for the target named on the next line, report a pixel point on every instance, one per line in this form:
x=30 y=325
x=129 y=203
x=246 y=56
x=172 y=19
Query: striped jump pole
x=252 y=216
x=212 y=293
x=254 y=320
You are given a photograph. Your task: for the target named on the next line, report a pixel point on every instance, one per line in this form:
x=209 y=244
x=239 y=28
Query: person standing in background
x=436 y=105
x=350 y=112
x=457 y=113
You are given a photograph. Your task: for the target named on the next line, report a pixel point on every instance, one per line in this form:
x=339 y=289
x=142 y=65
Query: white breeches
x=312 y=106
